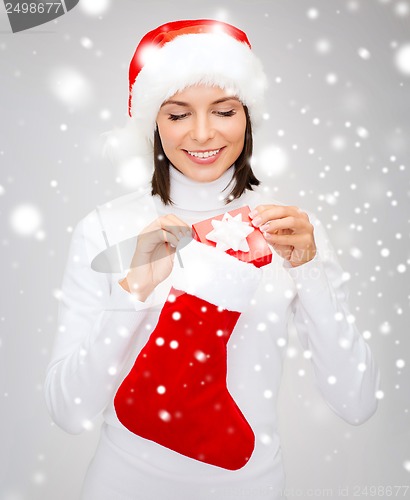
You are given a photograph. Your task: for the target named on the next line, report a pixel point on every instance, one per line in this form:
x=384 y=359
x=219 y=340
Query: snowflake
x=402 y=59
x=70 y=86
x=200 y=356
x=379 y=394
x=86 y=42
x=400 y=363
x=164 y=415
x=26 y=219
x=364 y=53
x=268 y=394
x=312 y=13
x=94 y=7
x=401 y=9
x=176 y=316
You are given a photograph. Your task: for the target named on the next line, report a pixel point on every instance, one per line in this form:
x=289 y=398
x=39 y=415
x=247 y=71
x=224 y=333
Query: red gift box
x=259 y=253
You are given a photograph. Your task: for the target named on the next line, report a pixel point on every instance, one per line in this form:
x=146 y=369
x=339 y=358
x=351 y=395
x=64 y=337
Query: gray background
x=346 y=140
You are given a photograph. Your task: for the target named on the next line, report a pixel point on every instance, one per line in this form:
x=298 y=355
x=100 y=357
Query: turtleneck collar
x=188 y=194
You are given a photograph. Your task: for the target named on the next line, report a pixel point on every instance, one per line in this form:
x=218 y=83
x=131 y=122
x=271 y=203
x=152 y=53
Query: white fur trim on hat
x=214 y=276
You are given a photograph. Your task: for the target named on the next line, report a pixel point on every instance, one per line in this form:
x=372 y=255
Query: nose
x=202 y=129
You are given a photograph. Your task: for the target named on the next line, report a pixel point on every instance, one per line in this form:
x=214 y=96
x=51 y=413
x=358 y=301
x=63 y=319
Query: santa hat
x=180 y=54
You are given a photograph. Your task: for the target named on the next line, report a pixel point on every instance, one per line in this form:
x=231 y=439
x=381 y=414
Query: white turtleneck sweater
x=102 y=330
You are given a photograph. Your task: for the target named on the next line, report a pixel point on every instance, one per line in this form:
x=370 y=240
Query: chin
x=205 y=174
x=206 y=177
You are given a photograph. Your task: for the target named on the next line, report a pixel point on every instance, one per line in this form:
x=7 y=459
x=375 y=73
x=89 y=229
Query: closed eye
x=231 y=112
x=177 y=117
x=174 y=118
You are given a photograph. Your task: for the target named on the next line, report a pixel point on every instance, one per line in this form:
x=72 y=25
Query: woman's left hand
x=288 y=230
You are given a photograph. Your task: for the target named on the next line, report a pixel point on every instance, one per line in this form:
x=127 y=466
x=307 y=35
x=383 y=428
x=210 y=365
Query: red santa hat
x=180 y=54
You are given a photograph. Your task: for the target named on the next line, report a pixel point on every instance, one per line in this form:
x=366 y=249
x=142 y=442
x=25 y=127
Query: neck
x=189 y=194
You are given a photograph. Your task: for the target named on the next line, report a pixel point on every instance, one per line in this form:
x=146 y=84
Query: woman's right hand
x=154 y=254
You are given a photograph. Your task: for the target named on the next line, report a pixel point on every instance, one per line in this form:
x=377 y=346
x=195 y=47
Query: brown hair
x=243 y=176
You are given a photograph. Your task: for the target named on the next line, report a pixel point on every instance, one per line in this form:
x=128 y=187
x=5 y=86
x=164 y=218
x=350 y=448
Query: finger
x=166 y=221
x=170 y=248
x=272 y=212
x=296 y=240
x=154 y=235
x=293 y=223
x=175 y=225
x=164 y=229
x=170 y=238
x=173 y=220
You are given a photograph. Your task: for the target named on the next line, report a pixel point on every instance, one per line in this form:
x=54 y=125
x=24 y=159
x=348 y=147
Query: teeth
x=205 y=154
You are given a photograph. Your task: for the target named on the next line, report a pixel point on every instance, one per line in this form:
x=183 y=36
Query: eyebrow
x=181 y=103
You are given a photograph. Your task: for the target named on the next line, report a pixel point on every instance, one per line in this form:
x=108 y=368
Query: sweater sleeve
x=345 y=371
x=97 y=323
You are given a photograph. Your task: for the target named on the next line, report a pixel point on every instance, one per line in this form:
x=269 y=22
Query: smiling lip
x=206 y=160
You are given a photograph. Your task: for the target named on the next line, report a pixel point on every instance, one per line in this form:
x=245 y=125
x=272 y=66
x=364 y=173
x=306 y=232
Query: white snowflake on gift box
x=230 y=233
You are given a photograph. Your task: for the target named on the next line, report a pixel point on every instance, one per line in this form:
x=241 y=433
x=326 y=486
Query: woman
x=178 y=344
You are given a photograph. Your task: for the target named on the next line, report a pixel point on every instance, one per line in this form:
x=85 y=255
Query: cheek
x=168 y=135
x=237 y=134
x=235 y=131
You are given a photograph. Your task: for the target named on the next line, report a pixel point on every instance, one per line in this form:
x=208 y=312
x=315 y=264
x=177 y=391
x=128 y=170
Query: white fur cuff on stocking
x=214 y=276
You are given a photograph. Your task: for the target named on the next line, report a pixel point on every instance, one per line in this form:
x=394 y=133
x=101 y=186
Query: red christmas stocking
x=176 y=393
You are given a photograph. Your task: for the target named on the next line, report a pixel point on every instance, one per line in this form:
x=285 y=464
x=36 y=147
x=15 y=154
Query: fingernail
x=264 y=227
x=180 y=235
x=256 y=221
x=252 y=214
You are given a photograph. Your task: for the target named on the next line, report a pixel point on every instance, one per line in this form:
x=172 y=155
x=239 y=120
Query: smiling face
x=202 y=131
